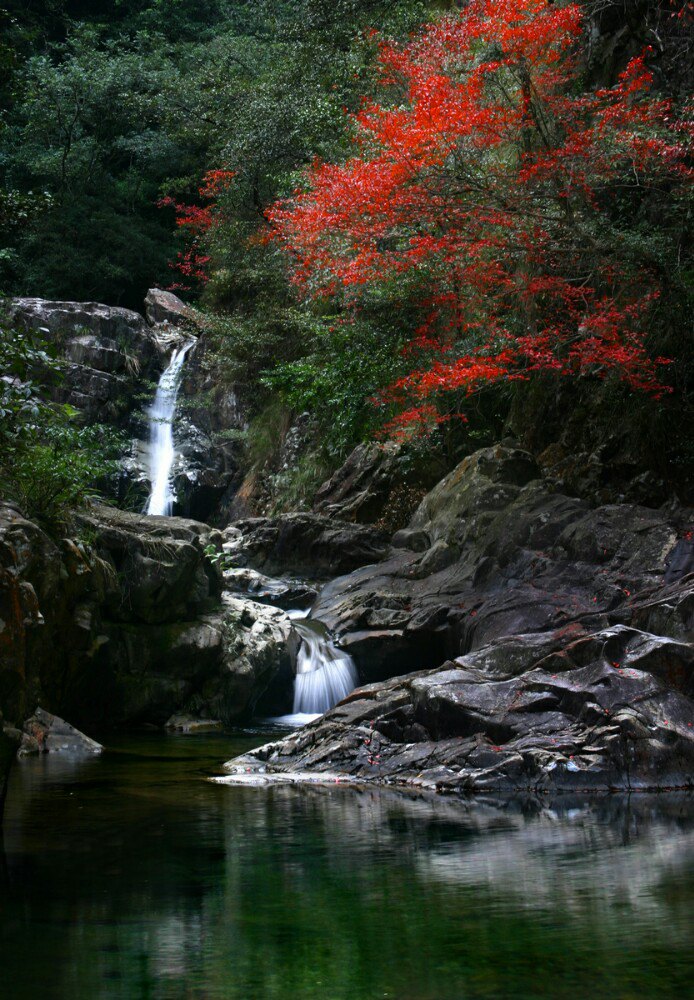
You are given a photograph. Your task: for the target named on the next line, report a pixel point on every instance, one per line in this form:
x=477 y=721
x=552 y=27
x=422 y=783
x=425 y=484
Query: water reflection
x=132 y=876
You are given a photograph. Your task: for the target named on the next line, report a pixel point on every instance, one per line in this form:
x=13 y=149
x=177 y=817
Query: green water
x=131 y=876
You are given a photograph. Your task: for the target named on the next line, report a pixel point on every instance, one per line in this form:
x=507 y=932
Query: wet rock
x=303 y=544
x=203 y=470
x=46 y=733
x=540 y=712
x=259 y=645
x=284 y=593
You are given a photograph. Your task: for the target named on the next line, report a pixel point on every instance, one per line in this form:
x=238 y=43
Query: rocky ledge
x=540 y=712
x=557 y=639
x=125 y=622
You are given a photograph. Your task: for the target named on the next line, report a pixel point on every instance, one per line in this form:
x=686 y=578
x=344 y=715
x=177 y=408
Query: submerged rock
x=189 y=725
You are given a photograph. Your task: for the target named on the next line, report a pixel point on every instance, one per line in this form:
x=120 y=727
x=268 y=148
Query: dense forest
x=508 y=215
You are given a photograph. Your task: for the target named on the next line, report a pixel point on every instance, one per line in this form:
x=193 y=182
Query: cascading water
x=161 y=445
x=324 y=673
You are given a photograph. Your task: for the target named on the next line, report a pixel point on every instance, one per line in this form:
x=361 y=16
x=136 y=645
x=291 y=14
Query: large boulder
x=63 y=321
x=494 y=550
x=558 y=638
x=529 y=713
x=162 y=569
x=165 y=307
x=259 y=646
x=216 y=667
x=358 y=490
x=47 y=733
x=380 y=483
x=303 y=544
x=96 y=625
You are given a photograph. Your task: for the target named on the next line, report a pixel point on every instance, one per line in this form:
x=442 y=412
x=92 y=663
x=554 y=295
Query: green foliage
x=338 y=379
x=108 y=105
x=52 y=474
x=295 y=488
x=49 y=465
x=217 y=556
x=85 y=131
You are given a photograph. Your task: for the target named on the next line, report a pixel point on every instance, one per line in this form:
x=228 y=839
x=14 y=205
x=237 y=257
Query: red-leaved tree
x=192 y=263
x=484 y=179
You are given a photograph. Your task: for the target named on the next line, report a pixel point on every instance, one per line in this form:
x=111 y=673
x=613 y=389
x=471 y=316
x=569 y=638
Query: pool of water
x=132 y=876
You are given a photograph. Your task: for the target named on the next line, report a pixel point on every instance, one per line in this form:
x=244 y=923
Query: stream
x=132 y=875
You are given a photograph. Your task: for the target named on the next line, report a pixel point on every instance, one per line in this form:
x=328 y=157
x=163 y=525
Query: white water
x=161 y=445
x=324 y=674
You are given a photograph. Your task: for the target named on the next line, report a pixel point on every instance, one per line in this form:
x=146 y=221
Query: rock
x=373 y=478
x=108 y=354
x=540 y=712
x=203 y=471
x=110 y=631
x=303 y=544
x=124 y=623
x=416 y=541
x=188 y=725
x=559 y=638
x=165 y=307
x=30 y=586
x=259 y=647
x=217 y=667
x=284 y=593
x=49 y=734
x=9 y=741
x=162 y=571
x=508 y=555
x=67 y=320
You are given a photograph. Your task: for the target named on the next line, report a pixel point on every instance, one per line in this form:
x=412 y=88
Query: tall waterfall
x=161 y=446
x=324 y=673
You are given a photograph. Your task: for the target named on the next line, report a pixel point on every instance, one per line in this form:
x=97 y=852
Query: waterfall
x=324 y=673
x=161 y=446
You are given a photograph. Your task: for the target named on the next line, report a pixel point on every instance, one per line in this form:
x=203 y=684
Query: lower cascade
x=324 y=673
x=161 y=447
